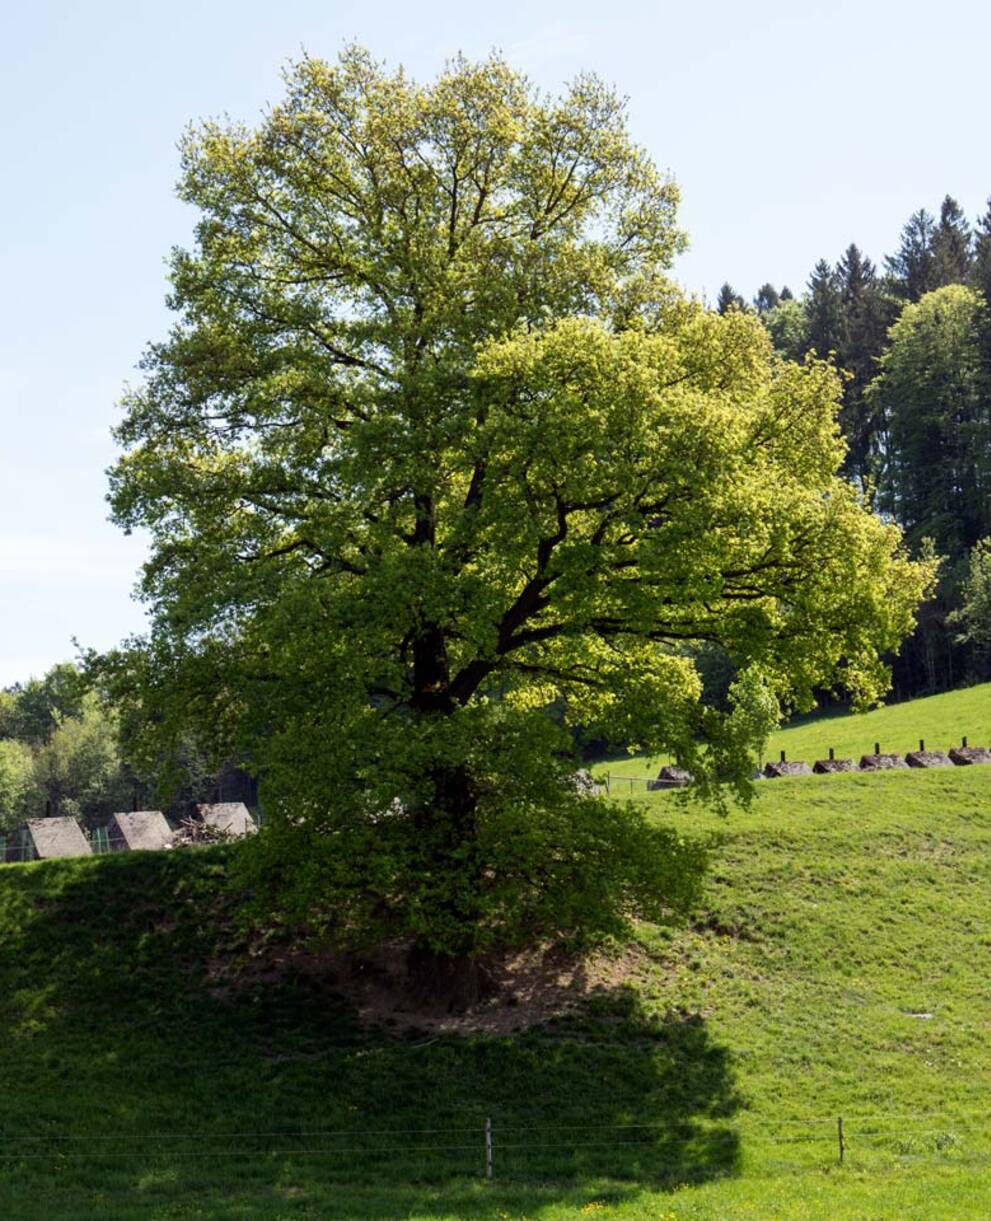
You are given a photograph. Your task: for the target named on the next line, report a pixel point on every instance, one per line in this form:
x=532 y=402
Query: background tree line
x=914 y=340
x=62 y=751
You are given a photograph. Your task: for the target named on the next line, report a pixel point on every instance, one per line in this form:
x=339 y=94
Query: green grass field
x=838 y=967
x=940 y=720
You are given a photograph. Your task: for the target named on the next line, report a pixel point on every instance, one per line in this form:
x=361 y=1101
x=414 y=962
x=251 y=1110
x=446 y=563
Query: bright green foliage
x=974 y=616
x=58 y=749
x=15 y=780
x=787 y=327
x=845 y=315
x=9 y=720
x=78 y=770
x=931 y=393
x=30 y=711
x=435 y=447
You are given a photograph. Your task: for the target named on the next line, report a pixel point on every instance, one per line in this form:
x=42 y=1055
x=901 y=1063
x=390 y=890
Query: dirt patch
x=530 y=987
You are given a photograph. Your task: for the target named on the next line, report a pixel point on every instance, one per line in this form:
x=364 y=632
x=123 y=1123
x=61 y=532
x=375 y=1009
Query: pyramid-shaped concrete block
x=928 y=758
x=228 y=818
x=670 y=777
x=790 y=767
x=57 y=837
x=881 y=763
x=139 y=831
x=967 y=756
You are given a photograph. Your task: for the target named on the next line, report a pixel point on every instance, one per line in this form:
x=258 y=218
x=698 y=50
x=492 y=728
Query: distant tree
x=15 y=781
x=78 y=771
x=39 y=705
x=980 y=276
x=912 y=269
x=981 y=262
x=864 y=320
x=973 y=617
x=767 y=298
x=951 y=246
x=729 y=299
x=787 y=294
x=10 y=722
x=932 y=398
x=786 y=324
x=824 y=311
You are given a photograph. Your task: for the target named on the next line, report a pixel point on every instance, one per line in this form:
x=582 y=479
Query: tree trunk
x=450 y=982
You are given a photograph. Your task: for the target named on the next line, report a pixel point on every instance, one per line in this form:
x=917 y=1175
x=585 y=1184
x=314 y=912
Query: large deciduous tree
x=438 y=465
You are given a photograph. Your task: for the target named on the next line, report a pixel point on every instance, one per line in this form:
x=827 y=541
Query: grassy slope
x=837 y=909
x=941 y=720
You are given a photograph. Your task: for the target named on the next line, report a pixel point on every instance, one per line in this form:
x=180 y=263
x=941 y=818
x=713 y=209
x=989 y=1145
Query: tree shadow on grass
x=132 y=1085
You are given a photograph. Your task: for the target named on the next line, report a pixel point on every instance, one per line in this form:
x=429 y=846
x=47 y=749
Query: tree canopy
x=931 y=393
x=438 y=466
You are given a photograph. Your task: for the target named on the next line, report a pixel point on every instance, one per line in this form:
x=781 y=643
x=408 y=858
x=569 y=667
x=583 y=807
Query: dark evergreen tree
x=786 y=294
x=824 y=310
x=912 y=267
x=951 y=245
x=767 y=298
x=862 y=331
x=980 y=268
x=728 y=299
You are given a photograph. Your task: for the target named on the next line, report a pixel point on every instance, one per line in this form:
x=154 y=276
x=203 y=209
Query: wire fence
x=18 y=847
x=501 y=1149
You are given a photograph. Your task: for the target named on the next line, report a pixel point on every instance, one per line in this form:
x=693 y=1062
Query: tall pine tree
x=980 y=268
x=951 y=245
x=862 y=331
x=824 y=311
x=767 y=298
x=911 y=268
x=980 y=279
x=729 y=299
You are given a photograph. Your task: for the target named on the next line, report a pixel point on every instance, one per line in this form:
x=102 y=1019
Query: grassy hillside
x=839 y=966
x=941 y=720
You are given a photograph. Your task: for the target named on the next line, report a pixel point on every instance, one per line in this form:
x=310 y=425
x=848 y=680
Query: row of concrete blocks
x=959 y=756
x=46 y=838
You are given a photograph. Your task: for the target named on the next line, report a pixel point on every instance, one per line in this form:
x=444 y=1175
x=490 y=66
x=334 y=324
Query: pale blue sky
x=793 y=128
